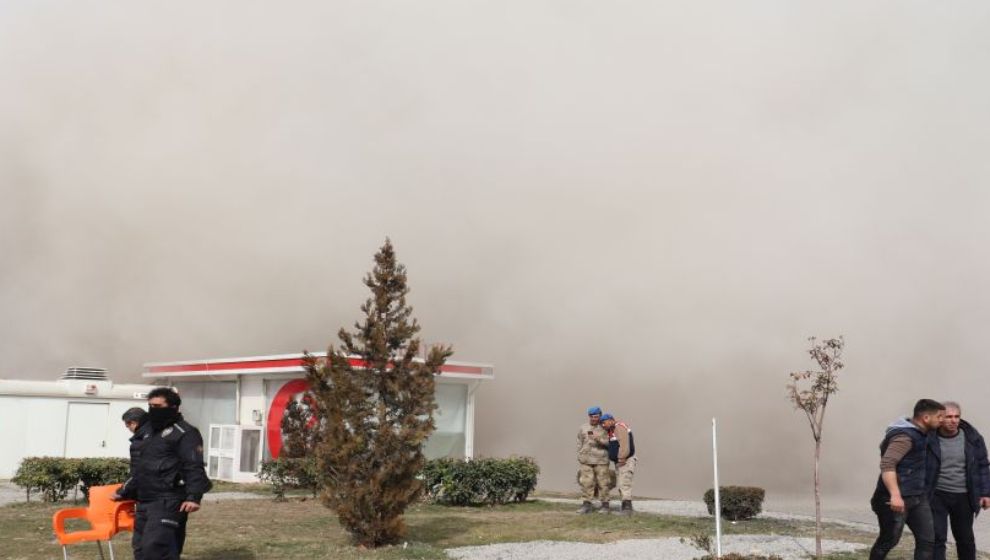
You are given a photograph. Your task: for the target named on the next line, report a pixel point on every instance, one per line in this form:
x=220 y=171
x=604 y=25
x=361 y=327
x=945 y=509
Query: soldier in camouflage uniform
x=593 y=473
x=622 y=450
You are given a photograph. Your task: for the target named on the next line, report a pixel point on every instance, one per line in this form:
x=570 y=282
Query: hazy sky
x=645 y=205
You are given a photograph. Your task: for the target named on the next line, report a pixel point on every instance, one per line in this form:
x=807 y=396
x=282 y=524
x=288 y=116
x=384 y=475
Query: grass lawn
x=304 y=529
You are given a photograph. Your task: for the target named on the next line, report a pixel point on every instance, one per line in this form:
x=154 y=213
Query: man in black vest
x=908 y=457
x=167 y=478
x=962 y=487
x=622 y=451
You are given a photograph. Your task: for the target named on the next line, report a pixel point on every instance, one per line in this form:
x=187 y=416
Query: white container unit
x=75 y=416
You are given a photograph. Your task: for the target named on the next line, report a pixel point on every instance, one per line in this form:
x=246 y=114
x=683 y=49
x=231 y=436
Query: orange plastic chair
x=106 y=518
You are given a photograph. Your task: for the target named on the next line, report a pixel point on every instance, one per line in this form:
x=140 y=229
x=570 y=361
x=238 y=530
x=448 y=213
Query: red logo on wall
x=280 y=402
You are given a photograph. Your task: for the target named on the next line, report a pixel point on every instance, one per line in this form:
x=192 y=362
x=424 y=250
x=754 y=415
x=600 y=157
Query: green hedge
x=738 y=502
x=100 y=471
x=55 y=477
x=446 y=481
x=480 y=481
x=284 y=473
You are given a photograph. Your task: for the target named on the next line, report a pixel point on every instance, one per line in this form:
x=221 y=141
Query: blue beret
x=594 y=410
x=607 y=416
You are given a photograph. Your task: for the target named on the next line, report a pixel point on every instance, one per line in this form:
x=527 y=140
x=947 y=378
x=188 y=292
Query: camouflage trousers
x=595 y=480
x=624 y=474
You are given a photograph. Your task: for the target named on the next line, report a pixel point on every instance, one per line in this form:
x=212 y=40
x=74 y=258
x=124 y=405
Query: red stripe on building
x=282 y=363
x=220 y=366
x=462 y=369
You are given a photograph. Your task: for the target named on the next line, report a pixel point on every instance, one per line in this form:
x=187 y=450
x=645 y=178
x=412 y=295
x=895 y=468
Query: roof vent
x=87 y=373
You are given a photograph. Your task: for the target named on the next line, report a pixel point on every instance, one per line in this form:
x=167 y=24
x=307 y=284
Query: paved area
x=852 y=514
x=788 y=548
x=10 y=493
x=699 y=509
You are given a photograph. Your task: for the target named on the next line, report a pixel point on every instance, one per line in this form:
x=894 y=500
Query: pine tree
x=377 y=415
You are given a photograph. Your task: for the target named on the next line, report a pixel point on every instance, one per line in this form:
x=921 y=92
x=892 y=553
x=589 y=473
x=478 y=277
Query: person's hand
x=985 y=502
x=896 y=504
x=189 y=507
x=620 y=463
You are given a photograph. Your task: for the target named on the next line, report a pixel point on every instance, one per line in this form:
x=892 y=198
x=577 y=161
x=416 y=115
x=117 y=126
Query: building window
x=250 y=450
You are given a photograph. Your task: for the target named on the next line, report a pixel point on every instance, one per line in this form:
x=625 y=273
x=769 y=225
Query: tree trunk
x=818 y=502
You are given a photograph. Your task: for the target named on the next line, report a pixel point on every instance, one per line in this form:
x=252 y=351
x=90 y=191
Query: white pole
x=718 y=501
x=469 y=421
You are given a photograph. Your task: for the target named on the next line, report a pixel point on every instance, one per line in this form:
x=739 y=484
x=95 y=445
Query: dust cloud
x=646 y=206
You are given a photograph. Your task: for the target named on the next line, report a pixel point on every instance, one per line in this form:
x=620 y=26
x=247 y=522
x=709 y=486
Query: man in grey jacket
x=962 y=486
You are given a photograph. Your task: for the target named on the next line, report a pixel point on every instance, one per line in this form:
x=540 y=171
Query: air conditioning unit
x=86 y=373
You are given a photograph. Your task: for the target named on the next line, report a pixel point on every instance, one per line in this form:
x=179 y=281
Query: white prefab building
x=76 y=416
x=238 y=404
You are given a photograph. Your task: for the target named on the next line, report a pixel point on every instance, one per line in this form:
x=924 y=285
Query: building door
x=86 y=429
x=220 y=458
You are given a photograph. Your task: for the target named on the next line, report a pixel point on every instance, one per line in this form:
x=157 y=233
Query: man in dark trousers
x=908 y=459
x=168 y=478
x=962 y=487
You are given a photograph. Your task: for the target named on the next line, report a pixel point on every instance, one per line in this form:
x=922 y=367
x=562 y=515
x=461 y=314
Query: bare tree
x=809 y=391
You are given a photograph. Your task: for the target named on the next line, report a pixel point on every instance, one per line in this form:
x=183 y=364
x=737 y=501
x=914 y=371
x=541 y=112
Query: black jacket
x=167 y=464
x=977 y=466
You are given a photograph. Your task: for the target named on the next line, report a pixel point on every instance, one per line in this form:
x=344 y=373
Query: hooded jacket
x=916 y=471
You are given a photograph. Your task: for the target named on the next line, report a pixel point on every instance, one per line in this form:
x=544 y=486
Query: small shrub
x=738 y=502
x=704 y=542
x=479 y=481
x=448 y=481
x=99 y=471
x=285 y=473
x=276 y=473
x=308 y=474
x=54 y=477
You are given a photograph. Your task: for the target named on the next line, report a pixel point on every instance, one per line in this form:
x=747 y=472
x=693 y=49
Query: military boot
x=604 y=508
x=627 y=508
x=585 y=507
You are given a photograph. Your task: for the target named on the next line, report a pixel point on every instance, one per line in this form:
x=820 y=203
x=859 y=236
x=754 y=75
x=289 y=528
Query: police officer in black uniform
x=167 y=478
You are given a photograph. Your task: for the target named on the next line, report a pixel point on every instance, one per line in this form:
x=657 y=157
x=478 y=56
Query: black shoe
x=604 y=508
x=627 y=508
x=585 y=507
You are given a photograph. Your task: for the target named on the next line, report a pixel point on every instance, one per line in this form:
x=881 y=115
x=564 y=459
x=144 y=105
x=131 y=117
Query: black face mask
x=162 y=418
